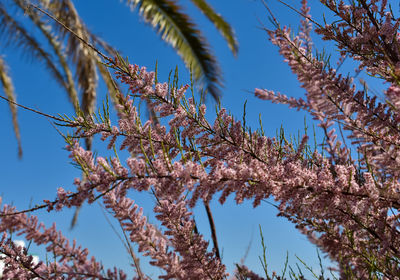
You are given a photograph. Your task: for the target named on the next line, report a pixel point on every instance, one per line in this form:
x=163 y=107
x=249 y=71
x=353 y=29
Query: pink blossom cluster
x=349 y=209
x=70 y=261
x=368 y=32
x=356 y=221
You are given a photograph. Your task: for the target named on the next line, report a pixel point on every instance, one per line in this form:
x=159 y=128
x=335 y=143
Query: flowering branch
x=348 y=209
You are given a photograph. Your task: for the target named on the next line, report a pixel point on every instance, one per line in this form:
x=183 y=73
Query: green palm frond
x=8 y=89
x=223 y=27
x=177 y=29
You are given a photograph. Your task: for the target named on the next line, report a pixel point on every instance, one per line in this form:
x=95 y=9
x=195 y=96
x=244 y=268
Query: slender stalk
x=212 y=228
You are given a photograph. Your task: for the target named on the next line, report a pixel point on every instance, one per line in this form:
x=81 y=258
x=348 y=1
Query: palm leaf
x=8 y=89
x=83 y=57
x=85 y=60
x=177 y=29
x=223 y=27
x=57 y=47
x=14 y=33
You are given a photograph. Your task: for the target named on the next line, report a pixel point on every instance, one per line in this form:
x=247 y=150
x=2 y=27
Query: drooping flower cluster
x=350 y=210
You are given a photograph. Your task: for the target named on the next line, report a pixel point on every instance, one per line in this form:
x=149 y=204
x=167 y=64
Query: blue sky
x=45 y=165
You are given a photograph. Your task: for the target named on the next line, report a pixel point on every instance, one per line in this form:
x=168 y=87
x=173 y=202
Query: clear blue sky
x=45 y=165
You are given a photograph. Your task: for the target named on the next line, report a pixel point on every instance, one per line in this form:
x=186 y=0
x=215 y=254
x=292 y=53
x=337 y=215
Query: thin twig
x=32 y=110
x=212 y=228
x=300 y=13
x=126 y=243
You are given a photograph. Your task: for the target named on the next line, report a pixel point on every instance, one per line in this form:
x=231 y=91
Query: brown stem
x=213 y=230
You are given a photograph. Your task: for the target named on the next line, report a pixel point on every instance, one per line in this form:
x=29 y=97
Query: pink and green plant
x=348 y=208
